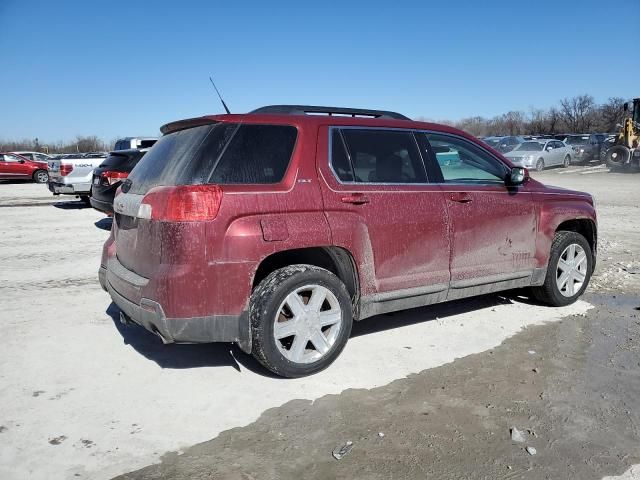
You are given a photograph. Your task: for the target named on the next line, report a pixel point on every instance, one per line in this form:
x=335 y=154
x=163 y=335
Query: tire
x=567 y=161
x=40 y=176
x=86 y=200
x=617 y=157
x=551 y=292
x=274 y=301
x=540 y=165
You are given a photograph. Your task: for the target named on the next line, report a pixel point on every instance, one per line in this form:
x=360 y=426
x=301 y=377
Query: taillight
x=65 y=169
x=186 y=203
x=109 y=177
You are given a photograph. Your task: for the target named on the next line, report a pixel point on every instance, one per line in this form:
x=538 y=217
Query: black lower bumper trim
x=149 y=314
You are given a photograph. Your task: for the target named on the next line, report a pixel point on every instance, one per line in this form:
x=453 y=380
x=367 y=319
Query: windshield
x=492 y=142
x=577 y=140
x=530 y=146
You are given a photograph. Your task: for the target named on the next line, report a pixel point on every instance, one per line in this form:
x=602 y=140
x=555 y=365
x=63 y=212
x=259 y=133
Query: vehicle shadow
x=104 y=224
x=184 y=356
x=71 y=205
x=16 y=182
x=403 y=318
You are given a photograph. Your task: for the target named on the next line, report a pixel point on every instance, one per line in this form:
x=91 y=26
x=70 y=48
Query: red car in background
x=17 y=167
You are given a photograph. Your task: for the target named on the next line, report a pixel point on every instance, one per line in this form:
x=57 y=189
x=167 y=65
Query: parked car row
x=583 y=148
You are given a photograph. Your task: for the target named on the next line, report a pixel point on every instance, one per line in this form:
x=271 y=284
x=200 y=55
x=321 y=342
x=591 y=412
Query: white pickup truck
x=72 y=176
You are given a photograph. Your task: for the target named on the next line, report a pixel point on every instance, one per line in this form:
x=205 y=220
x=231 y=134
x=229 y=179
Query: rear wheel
x=569 y=270
x=567 y=161
x=40 y=176
x=540 y=165
x=301 y=320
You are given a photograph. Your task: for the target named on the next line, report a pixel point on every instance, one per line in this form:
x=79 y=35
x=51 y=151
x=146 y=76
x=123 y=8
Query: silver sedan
x=539 y=154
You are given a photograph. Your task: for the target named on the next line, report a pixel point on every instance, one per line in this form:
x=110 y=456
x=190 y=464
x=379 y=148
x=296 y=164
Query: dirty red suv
x=278 y=228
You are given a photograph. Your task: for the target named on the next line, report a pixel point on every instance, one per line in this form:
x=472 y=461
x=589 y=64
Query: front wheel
x=40 y=176
x=540 y=165
x=568 y=272
x=567 y=161
x=301 y=320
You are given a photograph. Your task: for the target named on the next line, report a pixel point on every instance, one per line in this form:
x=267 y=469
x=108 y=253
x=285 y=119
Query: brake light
x=65 y=169
x=186 y=203
x=110 y=177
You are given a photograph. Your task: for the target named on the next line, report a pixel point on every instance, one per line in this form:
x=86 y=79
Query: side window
x=384 y=156
x=11 y=158
x=339 y=160
x=257 y=154
x=463 y=162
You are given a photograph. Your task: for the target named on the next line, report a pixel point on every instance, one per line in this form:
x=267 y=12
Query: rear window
x=221 y=153
x=146 y=143
x=126 y=161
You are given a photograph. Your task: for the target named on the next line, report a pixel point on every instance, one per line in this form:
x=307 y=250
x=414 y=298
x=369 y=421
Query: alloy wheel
x=571 y=271
x=307 y=324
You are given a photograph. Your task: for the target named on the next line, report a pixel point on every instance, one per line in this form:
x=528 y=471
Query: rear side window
x=382 y=156
x=339 y=160
x=257 y=154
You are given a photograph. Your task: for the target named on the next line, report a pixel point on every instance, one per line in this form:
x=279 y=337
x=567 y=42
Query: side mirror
x=517 y=176
x=549 y=149
x=21 y=161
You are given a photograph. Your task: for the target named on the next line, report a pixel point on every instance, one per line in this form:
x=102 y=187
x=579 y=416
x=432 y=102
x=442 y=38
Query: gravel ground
x=84 y=397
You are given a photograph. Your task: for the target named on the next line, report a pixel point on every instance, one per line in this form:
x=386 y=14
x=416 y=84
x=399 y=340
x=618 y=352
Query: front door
x=12 y=166
x=382 y=208
x=493 y=227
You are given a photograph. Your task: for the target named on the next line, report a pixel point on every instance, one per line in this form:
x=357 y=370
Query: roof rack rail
x=340 y=111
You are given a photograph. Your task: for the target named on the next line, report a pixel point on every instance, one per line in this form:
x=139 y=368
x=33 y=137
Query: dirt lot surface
x=84 y=397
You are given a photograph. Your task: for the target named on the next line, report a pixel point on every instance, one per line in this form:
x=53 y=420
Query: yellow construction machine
x=626 y=150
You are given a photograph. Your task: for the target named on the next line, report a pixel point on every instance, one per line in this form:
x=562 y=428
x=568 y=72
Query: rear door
x=381 y=206
x=493 y=227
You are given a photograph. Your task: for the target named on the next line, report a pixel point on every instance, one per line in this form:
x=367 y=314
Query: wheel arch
x=337 y=260
x=585 y=227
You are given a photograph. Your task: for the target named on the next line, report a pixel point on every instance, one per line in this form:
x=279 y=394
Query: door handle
x=355 y=198
x=460 y=197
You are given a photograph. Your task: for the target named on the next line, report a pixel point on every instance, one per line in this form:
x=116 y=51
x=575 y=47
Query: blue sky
x=117 y=68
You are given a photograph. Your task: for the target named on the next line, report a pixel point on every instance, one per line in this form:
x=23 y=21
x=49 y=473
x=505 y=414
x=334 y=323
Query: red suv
x=278 y=228
x=17 y=167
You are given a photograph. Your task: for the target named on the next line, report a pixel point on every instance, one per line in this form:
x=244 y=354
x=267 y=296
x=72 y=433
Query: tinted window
x=125 y=161
x=146 y=143
x=256 y=154
x=463 y=162
x=339 y=161
x=384 y=156
x=183 y=157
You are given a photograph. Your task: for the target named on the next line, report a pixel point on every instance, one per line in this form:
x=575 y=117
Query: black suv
x=586 y=147
x=109 y=175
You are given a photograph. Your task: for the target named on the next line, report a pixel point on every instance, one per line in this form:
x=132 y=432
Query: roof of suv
x=314 y=115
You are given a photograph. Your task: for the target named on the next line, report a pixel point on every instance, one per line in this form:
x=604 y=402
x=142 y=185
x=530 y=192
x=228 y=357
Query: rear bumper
x=150 y=315
x=58 y=188
x=106 y=207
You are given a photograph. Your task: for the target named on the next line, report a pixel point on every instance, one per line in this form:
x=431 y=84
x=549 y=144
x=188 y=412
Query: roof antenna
x=220 y=96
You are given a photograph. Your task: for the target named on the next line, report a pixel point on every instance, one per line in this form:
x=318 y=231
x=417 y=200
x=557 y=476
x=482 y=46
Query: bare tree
x=611 y=114
x=578 y=113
